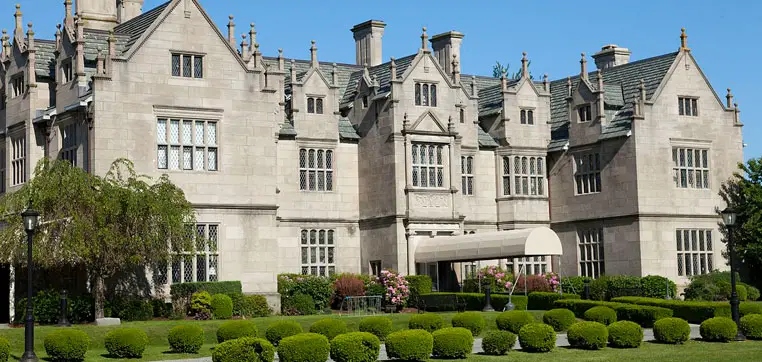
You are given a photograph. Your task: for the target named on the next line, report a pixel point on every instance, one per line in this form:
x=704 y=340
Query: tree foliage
x=498 y=69
x=106 y=224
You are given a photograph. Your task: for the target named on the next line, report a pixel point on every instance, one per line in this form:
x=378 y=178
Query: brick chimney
x=368 y=42
x=446 y=45
x=610 y=56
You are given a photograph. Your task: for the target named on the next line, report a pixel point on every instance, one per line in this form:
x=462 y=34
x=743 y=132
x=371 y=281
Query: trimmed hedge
x=453 y=342
x=281 y=329
x=537 y=337
x=600 y=314
x=355 y=347
x=672 y=330
x=588 y=335
x=625 y=334
x=640 y=314
x=691 y=311
x=130 y=309
x=181 y=293
x=753 y=293
x=329 y=327
x=442 y=302
x=560 y=319
x=378 y=326
x=67 y=345
x=428 y=322
x=513 y=320
x=545 y=300
x=222 y=306
x=247 y=349
x=298 y=304
x=718 y=329
x=252 y=305
x=751 y=326
x=126 y=343
x=418 y=285
x=236 y=329
x=473 y=321
x=498 y=343
x=5 y=349
x=750 y=308
x=410 y=345
x=186 y=338
x=305 y=347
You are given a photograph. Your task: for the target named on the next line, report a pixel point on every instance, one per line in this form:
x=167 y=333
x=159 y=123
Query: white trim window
x=317 y=252
x=694 y=251
x=529 y=176
x=428 y=165
x=591 y=255
x=18 y=86
x=69 y=143
x=187 y=144
x=691 y=168
x=467 y=175
x=533 y=265
x=187 y=65
x=315 y=169
x=202 y=263
x=687 y=106
x=587 y=173
x=18 y=160
x=527 y=116
x=425 y=94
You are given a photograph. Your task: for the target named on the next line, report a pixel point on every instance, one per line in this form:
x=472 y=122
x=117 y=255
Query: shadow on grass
x=670 y=344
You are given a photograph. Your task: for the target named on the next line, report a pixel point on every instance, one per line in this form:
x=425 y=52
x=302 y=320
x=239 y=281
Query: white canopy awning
x=486 y=246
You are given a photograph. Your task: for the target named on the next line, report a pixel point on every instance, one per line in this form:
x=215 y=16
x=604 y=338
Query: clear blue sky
x=725 y=36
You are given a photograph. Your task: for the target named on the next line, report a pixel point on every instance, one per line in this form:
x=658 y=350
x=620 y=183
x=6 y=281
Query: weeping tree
x=107 y=224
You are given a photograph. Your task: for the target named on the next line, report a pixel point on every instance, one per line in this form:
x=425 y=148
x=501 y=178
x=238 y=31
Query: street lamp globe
x=30 y=217
x=729 y=216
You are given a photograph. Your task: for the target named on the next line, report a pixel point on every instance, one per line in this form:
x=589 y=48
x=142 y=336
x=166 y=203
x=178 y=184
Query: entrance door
x=5 y=288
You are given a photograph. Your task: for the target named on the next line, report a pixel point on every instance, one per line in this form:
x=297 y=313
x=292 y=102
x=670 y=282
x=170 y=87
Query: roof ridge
x=620 y=67
x=308 y=61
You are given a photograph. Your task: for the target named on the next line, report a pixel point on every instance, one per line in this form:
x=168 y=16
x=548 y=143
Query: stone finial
x=19 y=29
x=392 y=68
x=4 y=45
x=68 y=18
x=583 y=67
x=375 y=81
x=256 y=56
x=524 y=65
x=729 y=97
x=568 y=87
x=281 y=61
x=99 y=65
x=313 y=55
x=474 y=89
x=424 y=39
x=30 y=35
x=231 y=31
x=450 y=125
x=405 y=122
x=599 y=78
x=683 y=40
x=365 y=72
x=455 y=69
x=244 y=45
x=252 y=36
x=642 y=89
x=58 y=37
x=504 y=81
x=334 y=74
x=545 y=82
x=293 y=71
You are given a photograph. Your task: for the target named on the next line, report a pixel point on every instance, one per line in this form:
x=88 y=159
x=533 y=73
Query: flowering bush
x=553 y=280
x=395 y=287
x=319 y=288
x=496 y=278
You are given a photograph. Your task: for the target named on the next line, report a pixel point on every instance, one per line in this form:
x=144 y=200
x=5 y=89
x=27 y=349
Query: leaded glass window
x=184 y=144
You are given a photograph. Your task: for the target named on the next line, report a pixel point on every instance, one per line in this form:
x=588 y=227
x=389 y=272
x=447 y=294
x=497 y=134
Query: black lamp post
x=729 y=218
x=30 y=218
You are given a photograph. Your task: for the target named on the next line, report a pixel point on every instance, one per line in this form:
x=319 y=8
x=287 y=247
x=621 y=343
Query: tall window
x=202 y=263
x=315 y=105
x=315 y=170
x=187 y=66
x=527 y=116
x=365 y=101
x=425 y=94
x=506 y=175
x=428 y=165
x=18 y=87
x=317 y=251
x=375 y=267
x=694 y=251
x=467 y=174
x=585 y=113
x=528 y=176
x=69 y=143
x=18 y=160
x=688 y=106
x=187 y=144
x=691 y=168
x=591 y=256
x=2 y=167
x=67 y=71
x=587 y=174
x=462 y=113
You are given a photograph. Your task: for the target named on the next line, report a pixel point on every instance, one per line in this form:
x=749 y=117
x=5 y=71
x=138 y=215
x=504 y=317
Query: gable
x=428 y=122
x=315 y=79
x=685 y=65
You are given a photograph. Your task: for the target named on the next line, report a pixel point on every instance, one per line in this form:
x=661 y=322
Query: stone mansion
x=309 y=166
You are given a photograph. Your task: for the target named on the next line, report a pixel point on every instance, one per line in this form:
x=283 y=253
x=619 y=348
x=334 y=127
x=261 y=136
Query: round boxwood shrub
x=282 y=329
x=600 y=314
x=588 y=335
x=625 y=334
x=378 y=326
x=498 y=343
x=305 y=347
x=537 y=337
x=247 y=349
x=299 y=304
x=428 y=322
x=672 y=330
x=329 y=327
x=560 y=319
x=742 y=292
x=718 y=329
x=513 y=320
x=355 y=347
x=410 y=345
x=5 y=349
x=67 y=345
x=751 y=326
x=753 y=293
x=456 y=342
x=473 y=321
x=186 y=338
x=222 y=306
x=236 y=329
x=126 y=343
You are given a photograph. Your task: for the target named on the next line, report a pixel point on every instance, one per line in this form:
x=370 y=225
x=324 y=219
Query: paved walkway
x=561 y=341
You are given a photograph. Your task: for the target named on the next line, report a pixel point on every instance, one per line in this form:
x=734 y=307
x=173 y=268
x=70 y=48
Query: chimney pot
x=611 y=55
x=368 y=43
x=446 y=46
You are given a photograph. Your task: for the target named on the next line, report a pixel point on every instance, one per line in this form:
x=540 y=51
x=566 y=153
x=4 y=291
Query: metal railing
x=362 y=305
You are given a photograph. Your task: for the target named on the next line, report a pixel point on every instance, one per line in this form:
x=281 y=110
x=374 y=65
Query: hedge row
x=545 y=300
x=692 y=311
x=608 y=287
x=640 y=314
x=440 y=302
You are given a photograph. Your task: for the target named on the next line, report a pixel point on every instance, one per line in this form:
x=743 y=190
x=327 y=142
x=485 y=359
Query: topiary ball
x=429 y=322
x=410 y=345
x=588 y=335
x=560 y=319
x=600 y=314
x=305 y=347
x=126 y=343
x=186 y=338
x=718 y=329
x=672 y=330
x=65 y=345
x=473 y=321
x=498 y=343
x=378 y=326
x=742 y=292
x=5 y=349
x=355 y=347
x=236 y=329
x=537 y=337
x=282 y=329
x=753 y=293
x=247 y=349
x=751 y=326
x=625 y=334
x=329 y=327
x=456 y=342
x=512 y=321
x=222 y=306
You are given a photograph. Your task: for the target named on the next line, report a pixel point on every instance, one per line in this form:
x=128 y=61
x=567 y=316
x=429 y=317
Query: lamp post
x=30 y=217
x=729 y=218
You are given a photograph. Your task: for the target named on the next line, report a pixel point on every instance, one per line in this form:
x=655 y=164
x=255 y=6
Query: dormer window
x=527 y=116
x=18 y=87
x=585 y=113
x=365 y=101
x=187 y=65
x=315 y=105
x=67 y=71
x=425 y=94
x=688 y=106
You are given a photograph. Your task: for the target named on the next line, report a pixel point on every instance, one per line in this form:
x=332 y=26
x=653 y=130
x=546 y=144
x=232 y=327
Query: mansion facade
x=309 y=166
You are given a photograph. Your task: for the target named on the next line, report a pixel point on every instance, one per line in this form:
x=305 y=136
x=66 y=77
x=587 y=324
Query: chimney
x=368 y=42
x=610 y=56
x=129 y=9
x=446 y=45
x=97 y=14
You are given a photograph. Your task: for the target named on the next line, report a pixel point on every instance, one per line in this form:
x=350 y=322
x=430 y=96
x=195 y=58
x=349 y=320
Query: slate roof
x=343 y=71
x=96 y=40
x=485 y=140
x=133 y=29
x=346 y=130
x=45 y=58
x=383 y=75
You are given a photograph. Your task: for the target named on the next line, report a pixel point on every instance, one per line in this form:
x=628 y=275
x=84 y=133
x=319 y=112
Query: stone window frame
x=590 y=252
x=587 y=179
x=528 y=173
x=67 y=70
x=208 y=144
x=585 y=113
x=436 y=157
x=462 y=115
x=323 y=168
x=685 y=170
x=694 y=251
x=195 y=59
x=532 y=265
x=17 y=85
x=205 y=252
x=687 y=106
x=315 y=104
x=467 y=174
x=317 y=250
x=18 y=159
x=69 y=143
x=526 y=116
x=425 y=93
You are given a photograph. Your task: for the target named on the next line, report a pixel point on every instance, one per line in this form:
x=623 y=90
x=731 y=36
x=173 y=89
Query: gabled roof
x=343 y=71
x=45 y=58
x=346 y=130
x=133 y=29
x=383 y=75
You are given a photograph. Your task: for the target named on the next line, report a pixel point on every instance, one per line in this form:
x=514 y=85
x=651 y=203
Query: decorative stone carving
x=433 y=201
